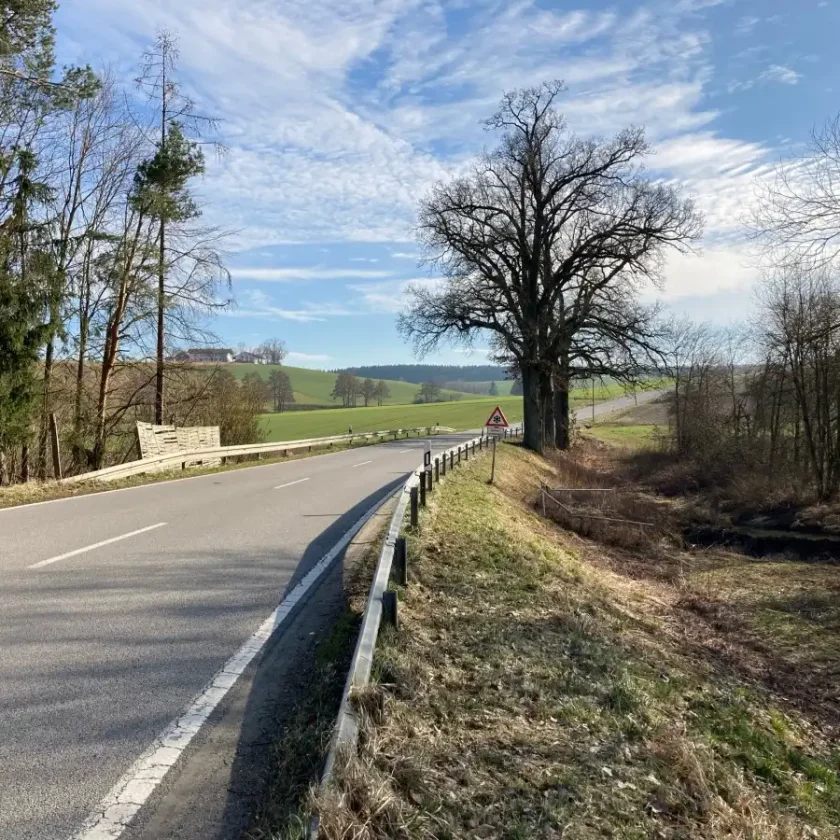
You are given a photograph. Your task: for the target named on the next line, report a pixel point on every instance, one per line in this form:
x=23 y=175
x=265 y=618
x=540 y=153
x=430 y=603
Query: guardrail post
x=414 y=503
x=389 y=608
x=437 y=469
x=401 y=561
x=423 y=489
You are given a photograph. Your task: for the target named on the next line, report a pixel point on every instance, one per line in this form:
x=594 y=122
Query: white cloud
x=297 y=356
x=719 y=268
x=316 y=155
x=779 y=73
x=283 y=275
x=389 y=296
x=320 y=152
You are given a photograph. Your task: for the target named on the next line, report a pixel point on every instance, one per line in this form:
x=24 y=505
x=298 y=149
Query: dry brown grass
x=535 y=693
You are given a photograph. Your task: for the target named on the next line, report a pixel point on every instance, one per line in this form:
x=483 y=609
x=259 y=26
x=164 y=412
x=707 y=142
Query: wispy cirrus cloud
x=287 y=274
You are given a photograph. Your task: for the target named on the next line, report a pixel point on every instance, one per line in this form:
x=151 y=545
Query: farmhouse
x=205 y=354
x=249 y=358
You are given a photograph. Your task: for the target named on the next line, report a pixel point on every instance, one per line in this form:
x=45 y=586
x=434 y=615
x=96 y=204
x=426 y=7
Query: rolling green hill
x=313 y=387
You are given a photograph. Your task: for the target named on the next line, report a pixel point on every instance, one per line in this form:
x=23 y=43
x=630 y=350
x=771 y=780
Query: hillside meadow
x=313 y=387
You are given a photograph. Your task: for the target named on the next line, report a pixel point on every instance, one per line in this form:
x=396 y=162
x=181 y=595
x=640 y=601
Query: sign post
x=496 y=425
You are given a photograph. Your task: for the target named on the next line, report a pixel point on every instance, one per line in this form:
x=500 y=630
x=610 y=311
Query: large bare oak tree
x=545 y=245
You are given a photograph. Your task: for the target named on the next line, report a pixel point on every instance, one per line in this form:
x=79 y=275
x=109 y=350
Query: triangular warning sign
x=497 y=419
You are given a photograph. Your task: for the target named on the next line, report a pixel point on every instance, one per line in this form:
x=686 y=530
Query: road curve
x=118 y=608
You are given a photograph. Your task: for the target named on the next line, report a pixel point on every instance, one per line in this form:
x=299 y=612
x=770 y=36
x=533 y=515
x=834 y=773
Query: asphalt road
x=118 y=608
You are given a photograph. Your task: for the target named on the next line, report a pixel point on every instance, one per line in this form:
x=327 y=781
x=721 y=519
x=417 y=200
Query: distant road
x=584 y=413
x=118 y=608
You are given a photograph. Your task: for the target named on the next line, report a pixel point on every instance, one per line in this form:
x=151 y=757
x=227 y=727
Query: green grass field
x=313 y=387
x=464 y=414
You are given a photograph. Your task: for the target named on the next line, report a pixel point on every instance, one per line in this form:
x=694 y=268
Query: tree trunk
x=561 y=412
x=532 y=434
x=547 y=409
x=160 y=326
x=80 y=381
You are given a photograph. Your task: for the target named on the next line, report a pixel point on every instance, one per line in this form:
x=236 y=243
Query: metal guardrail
x=414 y=491
x=181 y=459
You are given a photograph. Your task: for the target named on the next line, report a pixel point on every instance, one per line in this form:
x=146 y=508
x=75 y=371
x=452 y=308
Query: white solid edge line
x=291 y=483
x=362 y=464
x=82 y=550
x=124 y=800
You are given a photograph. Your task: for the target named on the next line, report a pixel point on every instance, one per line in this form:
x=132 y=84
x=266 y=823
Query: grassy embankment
x=543 y=686
x=632 y=428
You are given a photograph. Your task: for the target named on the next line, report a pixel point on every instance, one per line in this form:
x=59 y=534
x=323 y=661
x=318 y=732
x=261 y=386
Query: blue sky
x=339 y=115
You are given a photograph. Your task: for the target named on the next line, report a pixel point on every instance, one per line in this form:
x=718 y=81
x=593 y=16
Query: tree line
x=350 y=389
x=105 y=264
x=418 y=374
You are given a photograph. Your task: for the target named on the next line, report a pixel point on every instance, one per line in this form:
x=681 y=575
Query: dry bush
x=596 y=503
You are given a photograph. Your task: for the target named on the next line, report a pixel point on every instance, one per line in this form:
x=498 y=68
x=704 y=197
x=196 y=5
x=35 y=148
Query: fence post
x=56 y=450
x=443 y=465
x=467 y=452
x=423 y=489
x=437 y=469
x=493 y=468
x=389 y=608
x=430 y=478
x=414 y=502
x=401 y=561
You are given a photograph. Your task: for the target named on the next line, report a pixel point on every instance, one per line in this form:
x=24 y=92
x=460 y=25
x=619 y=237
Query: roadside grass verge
x=297 y=756
x=45 y=491
x=536 y=690
x=621 y=434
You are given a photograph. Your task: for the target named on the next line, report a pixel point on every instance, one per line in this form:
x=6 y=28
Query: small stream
x=759 y=542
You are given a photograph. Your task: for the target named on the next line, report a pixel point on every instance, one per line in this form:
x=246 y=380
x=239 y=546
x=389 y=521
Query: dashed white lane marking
x=291 y=483
x=402 y=452
x=49 y=561
x=362 y=464
x=125 y=799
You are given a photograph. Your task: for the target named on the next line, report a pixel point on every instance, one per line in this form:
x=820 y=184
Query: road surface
x=119 y=608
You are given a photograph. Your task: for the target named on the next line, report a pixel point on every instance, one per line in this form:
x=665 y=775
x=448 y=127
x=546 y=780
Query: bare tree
x=382 y=392
x=281 y=389
x=545 y=245
x=368 y=390
x=797 y=216
x=274 y=351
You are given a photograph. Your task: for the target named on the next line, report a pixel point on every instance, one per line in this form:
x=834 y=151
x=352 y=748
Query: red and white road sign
x=497 y=419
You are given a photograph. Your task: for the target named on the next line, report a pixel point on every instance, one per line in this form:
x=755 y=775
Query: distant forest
x=431 y=373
